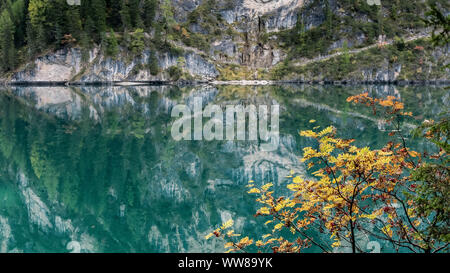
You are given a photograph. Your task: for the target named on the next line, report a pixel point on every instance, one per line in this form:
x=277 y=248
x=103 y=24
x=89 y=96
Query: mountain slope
x=204 y=40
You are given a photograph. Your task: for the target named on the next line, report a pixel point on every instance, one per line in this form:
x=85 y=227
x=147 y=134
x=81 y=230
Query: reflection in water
x=95 y=169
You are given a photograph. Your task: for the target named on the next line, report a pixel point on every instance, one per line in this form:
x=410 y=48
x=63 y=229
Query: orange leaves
x=413 y=153
x=364 y=97
x=184 y=32
x=390 y=104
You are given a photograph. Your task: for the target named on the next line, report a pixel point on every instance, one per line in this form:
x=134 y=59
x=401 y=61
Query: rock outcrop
x=243 y=38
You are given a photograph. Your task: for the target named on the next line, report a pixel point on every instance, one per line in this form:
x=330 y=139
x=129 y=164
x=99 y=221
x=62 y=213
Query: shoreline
x=231 y=82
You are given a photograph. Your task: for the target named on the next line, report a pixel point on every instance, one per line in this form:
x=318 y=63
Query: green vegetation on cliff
x=239 y=46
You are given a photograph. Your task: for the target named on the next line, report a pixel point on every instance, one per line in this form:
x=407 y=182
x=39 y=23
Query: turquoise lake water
x=95 y=169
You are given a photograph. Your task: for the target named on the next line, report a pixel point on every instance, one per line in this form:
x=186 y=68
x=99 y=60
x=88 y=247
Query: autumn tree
x=385 y=194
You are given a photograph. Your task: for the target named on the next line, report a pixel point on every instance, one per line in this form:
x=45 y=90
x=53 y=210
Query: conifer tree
x=149 y=9
x=74 y=25
x=125 y=16
x=7 y=52
x=97 y=13
x=135 y=14
x=112 y=46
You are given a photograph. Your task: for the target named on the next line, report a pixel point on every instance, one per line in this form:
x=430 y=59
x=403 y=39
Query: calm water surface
x=95 y=169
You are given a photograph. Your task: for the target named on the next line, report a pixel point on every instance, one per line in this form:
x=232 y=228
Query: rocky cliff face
x=247 y=18
x=245 y=39
x=66 y=65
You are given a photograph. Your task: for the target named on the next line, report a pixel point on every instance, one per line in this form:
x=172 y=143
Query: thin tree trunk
x=352 y=239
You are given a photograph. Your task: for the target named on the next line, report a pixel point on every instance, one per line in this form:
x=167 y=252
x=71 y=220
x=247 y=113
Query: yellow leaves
x=298 y=180
x=227 y=224
x=231 y=233
x=326 y=131
x=312 y=121
x=292 y=229
x=279 y=207
x=308 y=133
x=326 y=149
x=321 y=134
x=278 y=226
x=319 y=173
x=353 y=149
x=284 y=203
x=264 y=210
x=244 y=242
x=290 y=204
x=343 y=143
x=347 y=181
x=411 y=212
x=387 y=231
x=267 y=186
x=308 y=153
x=336 y=244
x=370 y=216
x=293 y=187
x=254 y=190
x=214 y=233
x=364 y=151
x=228 y=245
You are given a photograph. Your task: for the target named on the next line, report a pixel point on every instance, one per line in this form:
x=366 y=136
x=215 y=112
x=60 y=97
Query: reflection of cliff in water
x=95 y=168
